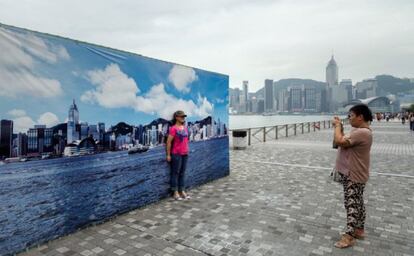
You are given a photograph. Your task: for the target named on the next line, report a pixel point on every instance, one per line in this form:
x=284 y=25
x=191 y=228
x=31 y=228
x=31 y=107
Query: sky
x=41 y=75
x=248 y=40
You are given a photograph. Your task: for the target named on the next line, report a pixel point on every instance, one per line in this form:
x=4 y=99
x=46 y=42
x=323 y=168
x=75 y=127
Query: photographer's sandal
x=345 y=241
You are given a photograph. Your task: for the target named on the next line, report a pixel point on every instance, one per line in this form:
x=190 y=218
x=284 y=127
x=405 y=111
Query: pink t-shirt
x=180 y=141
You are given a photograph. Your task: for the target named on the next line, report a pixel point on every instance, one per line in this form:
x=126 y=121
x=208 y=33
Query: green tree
x=411 y=108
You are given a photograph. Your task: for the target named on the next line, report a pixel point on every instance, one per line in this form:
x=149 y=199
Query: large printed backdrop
x=70 y=112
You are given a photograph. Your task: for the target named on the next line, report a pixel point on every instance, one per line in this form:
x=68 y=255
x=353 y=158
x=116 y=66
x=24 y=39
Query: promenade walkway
x=278 y=200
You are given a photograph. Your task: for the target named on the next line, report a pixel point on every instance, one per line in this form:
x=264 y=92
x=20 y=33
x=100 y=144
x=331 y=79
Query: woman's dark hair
x=173 y=120
x=362 y=109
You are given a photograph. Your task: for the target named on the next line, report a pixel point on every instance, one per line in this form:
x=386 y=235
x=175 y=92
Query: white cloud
x=22 y=124
x=18 y=75
x=24 y=83
x=158 y=101
x=181 y=77
x=36 y=47
x=49 y=119
x=114 y=89
x=205 y=107
x=17 y=112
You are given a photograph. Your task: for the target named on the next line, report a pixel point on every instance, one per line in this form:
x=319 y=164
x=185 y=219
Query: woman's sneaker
x=177 y=197
x=185 y=196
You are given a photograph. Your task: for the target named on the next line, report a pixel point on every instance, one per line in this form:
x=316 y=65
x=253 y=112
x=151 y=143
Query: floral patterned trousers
x=354 y=204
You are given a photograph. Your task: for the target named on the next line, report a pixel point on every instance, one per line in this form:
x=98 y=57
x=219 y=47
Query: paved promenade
x=278 y=200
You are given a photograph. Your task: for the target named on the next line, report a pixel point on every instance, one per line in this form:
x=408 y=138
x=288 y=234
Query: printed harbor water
x=44 y=199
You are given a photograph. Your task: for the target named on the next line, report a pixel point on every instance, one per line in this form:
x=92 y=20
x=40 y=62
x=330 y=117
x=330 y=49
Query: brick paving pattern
x=278 y=200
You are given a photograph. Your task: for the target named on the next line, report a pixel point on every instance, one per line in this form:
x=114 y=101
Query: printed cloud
x=18 y=75
x=181 y=77
x=22 y=122
x=17 y=112
x=49 y=119
x=114 y=89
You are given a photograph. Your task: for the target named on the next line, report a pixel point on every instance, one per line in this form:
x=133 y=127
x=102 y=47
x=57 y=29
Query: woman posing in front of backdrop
x=177 y=154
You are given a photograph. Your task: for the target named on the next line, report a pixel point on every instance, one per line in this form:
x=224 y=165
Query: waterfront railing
x=266 y=133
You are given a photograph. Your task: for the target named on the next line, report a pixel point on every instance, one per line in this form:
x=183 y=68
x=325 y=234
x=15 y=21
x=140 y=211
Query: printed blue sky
x=41 y=74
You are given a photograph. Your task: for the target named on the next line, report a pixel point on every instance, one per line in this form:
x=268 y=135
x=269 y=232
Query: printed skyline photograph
x=84 y=130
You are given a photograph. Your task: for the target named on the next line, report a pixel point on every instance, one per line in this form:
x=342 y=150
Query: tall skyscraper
x=154 y=135
x=283 y=100
x=101 y=129
x=332 y=73
x=332 y=83
x=73 y=121
x=6 y=138
x=21 y=149
x=268 y=96
x=246 y=96
x=296 y=99
x=235 y=96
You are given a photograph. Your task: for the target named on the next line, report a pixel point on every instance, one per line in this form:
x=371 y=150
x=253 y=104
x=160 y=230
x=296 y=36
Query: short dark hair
x=362 y=109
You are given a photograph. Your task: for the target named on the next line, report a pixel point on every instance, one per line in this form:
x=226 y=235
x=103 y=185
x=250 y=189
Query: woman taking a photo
x=177 y=154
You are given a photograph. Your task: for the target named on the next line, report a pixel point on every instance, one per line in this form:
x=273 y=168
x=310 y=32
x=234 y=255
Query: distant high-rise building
x=283 y=100
x=235 y=98
x=296 y=99
x=332 y=83
x=154 y=135
x=332 y=73
x=341 y=93
x=21 y=144
x=347 y=85
x=255 y=105
x=366 y=89
x=208 y=132
x=93 y=131
x=84 y=130
x=268 y=96
x=246 y=96
x=73 y=121
x=101 y=130
x=6 y=138
x=39 y=140
x=325 y=102
x=310 y=100
x=354 y=92
x=318 y=100
x=260 y=106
